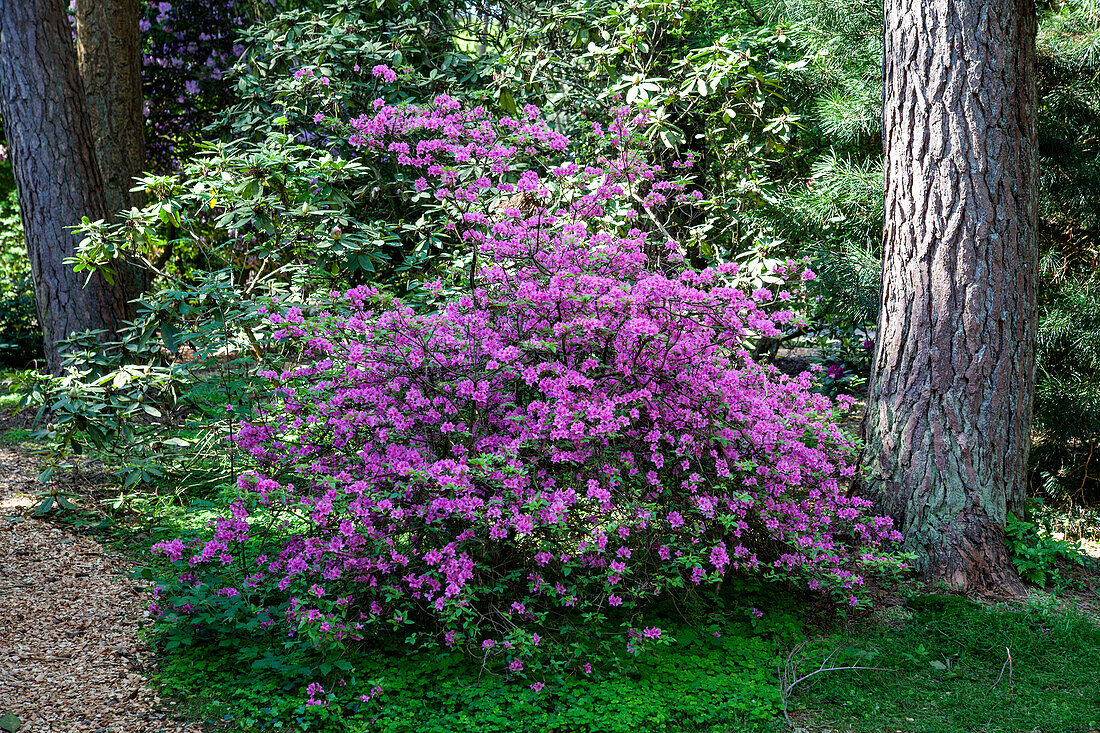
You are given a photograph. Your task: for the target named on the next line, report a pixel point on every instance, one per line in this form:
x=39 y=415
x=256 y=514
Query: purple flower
x=383 y=72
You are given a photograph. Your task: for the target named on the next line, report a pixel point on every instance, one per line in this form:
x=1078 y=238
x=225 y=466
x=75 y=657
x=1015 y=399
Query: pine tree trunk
x=949 y=413
x=108 y=55
x=108 y=52
x=56 y=174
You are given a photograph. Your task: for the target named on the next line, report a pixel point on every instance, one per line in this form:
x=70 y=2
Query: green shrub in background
x=20 y=335
x=778 y=99
x=1036 y=554
x=281 y=209
x=1066 y=451
x=271 y=214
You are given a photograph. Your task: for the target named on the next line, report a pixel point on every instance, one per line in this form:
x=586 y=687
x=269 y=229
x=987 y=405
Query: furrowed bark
x=108 y=51
x=949 y=413
x=56 y=174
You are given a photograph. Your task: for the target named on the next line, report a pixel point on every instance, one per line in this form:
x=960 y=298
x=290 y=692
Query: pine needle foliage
x=1067 y=400
x=826 y=201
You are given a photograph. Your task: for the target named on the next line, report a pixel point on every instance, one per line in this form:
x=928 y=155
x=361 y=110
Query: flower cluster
x=578 y=430
x=189 y=47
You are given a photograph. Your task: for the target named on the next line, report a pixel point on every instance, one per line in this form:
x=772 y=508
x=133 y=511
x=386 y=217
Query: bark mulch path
x=70 y=655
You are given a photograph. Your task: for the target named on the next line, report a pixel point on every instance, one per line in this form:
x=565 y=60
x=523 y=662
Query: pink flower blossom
x=383 y=72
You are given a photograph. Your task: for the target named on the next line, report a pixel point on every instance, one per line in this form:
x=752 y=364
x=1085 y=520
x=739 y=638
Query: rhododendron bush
x=189 y=46
x=576 y=429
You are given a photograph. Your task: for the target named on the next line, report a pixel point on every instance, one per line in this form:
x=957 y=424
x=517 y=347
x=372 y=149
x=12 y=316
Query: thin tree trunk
x=949 y=413
x=56 y=174
x=108 y=52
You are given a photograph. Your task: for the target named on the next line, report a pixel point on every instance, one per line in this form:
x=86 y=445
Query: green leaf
x=507 y=102
x=170 y=335
x=43 y=507
x=10 y=723
x=671 y=137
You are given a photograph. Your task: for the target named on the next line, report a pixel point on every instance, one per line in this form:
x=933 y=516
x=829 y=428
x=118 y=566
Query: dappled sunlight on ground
x=16 y=501
x=70 y=656
x=1089 y=547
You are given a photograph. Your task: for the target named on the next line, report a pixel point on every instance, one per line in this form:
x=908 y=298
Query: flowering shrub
x=189 y=48
x=577 y=428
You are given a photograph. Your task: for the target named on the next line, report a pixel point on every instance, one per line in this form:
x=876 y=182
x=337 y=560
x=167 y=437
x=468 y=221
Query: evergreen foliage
x=829 y=204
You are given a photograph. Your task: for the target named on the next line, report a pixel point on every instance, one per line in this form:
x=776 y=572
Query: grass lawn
x=947 y=655
x=950 y=657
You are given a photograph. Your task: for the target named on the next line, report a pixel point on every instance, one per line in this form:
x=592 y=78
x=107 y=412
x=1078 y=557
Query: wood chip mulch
x=70 y=654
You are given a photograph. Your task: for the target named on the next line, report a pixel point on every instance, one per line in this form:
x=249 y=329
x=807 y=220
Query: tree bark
x=56 y=175
x=108 y=52
x=108 y=55
x=949 y=412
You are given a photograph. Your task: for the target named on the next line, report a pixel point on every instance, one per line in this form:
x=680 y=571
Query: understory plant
x=1036 y=553
x=573 y=428
x=20 y=336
